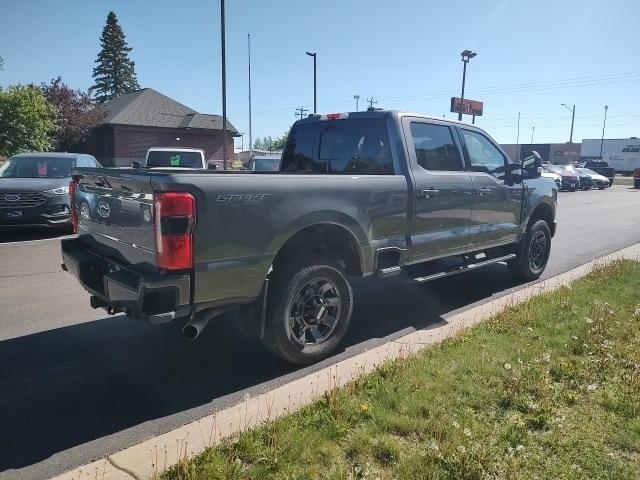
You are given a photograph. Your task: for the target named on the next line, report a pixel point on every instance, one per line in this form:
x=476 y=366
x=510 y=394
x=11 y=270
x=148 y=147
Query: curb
x=155 y=455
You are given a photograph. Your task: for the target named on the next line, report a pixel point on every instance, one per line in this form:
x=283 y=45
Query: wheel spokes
x=332 y=301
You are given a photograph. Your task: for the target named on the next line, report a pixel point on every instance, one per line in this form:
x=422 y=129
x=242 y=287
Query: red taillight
x=72 y=207
x=174 y=219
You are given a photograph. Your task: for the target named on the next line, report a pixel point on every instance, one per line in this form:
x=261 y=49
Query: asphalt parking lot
x=77 y=384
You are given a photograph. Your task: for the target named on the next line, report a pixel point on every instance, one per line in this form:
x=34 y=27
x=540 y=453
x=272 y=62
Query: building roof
x=149 y=108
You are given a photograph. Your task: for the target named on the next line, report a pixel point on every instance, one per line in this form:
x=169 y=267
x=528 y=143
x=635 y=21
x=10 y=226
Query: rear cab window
x=354 y=146
x=168 y=158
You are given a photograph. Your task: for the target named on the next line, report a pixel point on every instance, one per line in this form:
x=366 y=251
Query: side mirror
x=135 y=164
x=212 y=166
x=531 y=164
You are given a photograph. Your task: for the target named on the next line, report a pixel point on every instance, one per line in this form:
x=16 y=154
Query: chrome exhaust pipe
x=194 y=327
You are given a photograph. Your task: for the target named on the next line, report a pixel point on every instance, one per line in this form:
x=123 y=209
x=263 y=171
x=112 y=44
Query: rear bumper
x=158 y=298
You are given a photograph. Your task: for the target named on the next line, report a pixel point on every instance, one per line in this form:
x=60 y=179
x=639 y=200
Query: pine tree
x=115 y=74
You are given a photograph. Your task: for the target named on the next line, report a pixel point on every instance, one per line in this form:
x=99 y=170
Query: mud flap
x=251 y=316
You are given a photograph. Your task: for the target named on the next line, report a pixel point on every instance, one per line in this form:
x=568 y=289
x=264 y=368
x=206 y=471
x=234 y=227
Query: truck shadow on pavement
x=101 y=381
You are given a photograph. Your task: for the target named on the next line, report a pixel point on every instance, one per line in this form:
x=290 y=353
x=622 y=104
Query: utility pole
x=371 y=102
x=573 y=117
x=604 y=124
x=315 y=104
x=224 y=89
x=301 y=111
x=250 y=136
x=357 y=97
x=518 y=140
x=533 y=130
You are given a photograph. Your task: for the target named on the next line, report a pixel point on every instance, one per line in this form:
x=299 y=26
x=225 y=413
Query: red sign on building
x=466 y=106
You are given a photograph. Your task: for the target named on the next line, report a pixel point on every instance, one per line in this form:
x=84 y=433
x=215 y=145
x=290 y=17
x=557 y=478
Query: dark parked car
x=34 y=188
x=636 y=178
x=368 y=193
x=602 y=168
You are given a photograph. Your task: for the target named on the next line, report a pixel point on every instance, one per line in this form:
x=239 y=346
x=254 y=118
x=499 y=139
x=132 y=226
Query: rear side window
x=434 y=146
x=347 y=147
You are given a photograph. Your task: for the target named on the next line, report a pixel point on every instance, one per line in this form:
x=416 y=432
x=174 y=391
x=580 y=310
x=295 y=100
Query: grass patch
x=547 y=389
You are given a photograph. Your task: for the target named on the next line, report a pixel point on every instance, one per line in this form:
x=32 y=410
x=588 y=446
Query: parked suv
x=379 y=193
x=34 y=188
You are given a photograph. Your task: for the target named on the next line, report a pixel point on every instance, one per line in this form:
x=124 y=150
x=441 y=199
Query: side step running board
x=463 y=268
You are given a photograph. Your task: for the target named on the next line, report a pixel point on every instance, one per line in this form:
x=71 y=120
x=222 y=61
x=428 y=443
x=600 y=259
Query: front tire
x=533 y=252
x=308 y=311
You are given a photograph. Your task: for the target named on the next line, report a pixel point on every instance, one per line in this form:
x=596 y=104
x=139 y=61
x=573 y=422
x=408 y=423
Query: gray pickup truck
x=379 y=193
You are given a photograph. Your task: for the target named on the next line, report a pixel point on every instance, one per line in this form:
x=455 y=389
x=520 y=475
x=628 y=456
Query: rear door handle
x=429 y=192
x=483 y=191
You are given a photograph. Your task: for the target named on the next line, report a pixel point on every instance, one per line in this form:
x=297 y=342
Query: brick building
x=145 y=118
x=559 y=153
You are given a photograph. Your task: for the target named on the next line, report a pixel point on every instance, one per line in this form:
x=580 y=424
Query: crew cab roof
x=381 y=113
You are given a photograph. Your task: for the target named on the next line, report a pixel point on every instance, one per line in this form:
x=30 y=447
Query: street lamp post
x=573 y=117
x=604 y=124
x=315 y=104
x=224 y=88
x=466 y=56
x=356 y=97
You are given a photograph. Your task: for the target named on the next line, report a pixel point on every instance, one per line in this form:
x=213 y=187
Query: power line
x=499 y=89
x=371 y=102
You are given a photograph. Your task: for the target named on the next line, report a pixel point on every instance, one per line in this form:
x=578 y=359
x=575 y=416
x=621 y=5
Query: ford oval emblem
x=104 y=210
x=11 y=197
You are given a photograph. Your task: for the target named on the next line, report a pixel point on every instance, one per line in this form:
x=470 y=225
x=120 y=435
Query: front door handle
x=429 y=192
x=483 y=191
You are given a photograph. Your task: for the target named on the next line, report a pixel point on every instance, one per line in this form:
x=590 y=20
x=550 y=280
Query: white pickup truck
x=163 y=157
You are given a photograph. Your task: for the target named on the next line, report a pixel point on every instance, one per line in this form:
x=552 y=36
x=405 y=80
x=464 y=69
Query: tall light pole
x=315 y=104
x=466 y=56
x=356 y=97
x=533 y=130
x=604 y=124
x=250 y=136
x=224 y=88
x=573 y=117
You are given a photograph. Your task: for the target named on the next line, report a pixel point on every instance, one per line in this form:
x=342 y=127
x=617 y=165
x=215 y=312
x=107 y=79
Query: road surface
x=77 y=384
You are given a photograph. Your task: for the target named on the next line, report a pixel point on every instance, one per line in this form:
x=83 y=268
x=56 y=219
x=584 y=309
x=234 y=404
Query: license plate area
x=13 y=214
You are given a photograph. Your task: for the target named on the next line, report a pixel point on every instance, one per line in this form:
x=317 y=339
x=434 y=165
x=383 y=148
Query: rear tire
x=533 y=252
x=308 y=310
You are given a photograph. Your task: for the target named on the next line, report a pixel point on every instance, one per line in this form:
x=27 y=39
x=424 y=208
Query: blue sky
x=532 y=56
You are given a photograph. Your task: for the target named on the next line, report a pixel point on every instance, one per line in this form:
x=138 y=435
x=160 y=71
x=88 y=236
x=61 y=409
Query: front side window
x=484 y=156
x=434 y=147
x=346 y=147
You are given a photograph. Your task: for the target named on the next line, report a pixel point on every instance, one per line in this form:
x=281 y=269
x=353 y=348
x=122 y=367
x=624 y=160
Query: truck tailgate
x=115 y=215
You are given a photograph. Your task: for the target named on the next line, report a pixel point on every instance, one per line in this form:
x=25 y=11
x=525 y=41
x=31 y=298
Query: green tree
x=27 y=120
x=280 y=142
x=257 y=144
x=115 y=73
